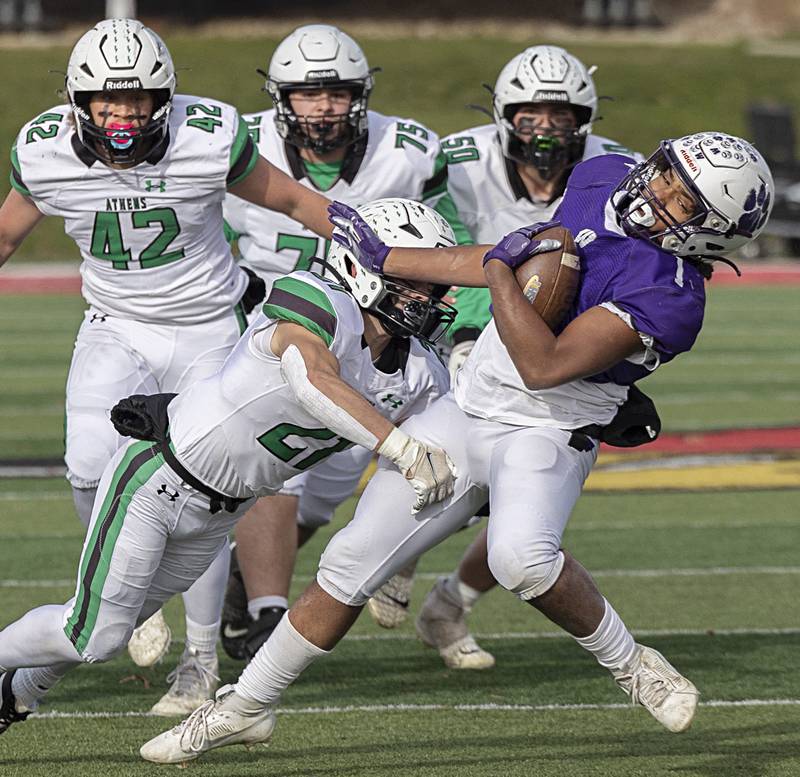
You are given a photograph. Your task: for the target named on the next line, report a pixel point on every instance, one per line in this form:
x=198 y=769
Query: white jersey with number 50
x=485 y=187
x=242 y=432
x=401 y=158
x=150 y=236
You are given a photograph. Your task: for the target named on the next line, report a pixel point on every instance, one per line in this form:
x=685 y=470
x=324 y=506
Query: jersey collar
x=394 y=357
x=88 y=158
x=519 y=189
x=351 y=163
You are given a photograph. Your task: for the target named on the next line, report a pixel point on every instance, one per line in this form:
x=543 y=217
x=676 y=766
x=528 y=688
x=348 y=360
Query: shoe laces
x=193 y=732
x=647 y=687
x=187 y=673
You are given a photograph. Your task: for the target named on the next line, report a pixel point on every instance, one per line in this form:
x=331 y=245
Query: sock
x=254 y=606
x=461 y=592
x=29 y=685
x=202 y=638
x=279 y=662
x=611 y=644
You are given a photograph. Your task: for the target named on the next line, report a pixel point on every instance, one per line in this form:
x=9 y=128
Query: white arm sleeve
x=293 y=369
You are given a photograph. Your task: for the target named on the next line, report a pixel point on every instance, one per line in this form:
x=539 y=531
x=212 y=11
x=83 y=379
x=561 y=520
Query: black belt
x=217 y=501
x=582 y=438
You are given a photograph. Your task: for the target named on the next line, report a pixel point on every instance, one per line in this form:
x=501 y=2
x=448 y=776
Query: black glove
x=143 y=416
x=255 y=292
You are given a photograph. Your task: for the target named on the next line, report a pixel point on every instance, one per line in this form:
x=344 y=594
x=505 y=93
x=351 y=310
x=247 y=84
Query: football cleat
x=227 y=720
x=8 y=704
x=194 y=681
x=259 y=630
x=442 y=624
x=650 y=680
x=235 y=618
x=150 y=642
x=389 y=606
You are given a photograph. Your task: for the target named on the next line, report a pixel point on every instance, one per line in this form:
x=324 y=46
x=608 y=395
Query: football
x=550 y=280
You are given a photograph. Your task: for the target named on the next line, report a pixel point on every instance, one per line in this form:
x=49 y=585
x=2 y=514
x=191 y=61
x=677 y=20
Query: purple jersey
x=664 y=295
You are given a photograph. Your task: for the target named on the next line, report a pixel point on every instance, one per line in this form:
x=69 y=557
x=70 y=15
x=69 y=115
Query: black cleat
x=260 y=629
x=235 y=618
x=8 y=706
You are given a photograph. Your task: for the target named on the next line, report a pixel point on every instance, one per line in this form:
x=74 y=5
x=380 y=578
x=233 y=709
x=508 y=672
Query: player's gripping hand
x=458 y=355
x=429 y=471
x=521 y=244
x=355 y=235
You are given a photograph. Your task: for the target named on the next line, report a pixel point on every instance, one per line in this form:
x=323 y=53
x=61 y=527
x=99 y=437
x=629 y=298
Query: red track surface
x=720 y=441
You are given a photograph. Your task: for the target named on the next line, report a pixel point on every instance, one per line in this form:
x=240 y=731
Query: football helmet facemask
x=319 y=56
x=731 y=185
x=404 y=309
x=120 y=55
x=545 y=74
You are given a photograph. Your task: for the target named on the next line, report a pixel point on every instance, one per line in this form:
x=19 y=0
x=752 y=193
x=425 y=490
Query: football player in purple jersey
x=528 y=409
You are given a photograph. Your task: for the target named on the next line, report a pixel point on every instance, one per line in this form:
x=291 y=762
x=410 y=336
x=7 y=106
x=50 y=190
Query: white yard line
x=381 y=708
x=638 y=573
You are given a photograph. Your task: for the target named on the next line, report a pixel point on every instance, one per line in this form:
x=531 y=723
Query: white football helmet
x=317 y=56
x=405 y=309
x=727 y=177
x=545 y=74
x=117 y=55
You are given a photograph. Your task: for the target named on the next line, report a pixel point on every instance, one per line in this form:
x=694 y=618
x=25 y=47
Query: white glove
x=458 y=355
x=429 y=471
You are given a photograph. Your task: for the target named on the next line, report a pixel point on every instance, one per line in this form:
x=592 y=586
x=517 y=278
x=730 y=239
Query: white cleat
x=442 y=624
x=194 y=681
x=150 y=642
x=389 y=606
x=227 y=720
x=650 y=680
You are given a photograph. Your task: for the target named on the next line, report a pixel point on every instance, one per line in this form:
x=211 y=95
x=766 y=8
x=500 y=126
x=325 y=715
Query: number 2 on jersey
x=107 y=242
x=275 y=442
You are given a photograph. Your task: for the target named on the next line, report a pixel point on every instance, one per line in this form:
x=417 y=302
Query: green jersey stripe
x=300 y=288
x=245 y=165
x=437 y=183
x=136 y=467
x=241 y=317
x=16 y=174
x=287 y=307
x=239 y=141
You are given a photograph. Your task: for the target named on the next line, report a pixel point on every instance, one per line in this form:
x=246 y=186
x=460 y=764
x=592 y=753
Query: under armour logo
x=394 y=401
x=98 y=317
x=164 y=490
x=150 y=184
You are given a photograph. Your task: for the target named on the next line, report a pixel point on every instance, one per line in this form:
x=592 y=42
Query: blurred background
x=667 y=67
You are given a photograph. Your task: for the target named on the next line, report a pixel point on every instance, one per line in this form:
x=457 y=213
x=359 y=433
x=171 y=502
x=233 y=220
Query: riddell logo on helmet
x=318 y=75
x=689 y=160
x=550 y=96
x=122 y=83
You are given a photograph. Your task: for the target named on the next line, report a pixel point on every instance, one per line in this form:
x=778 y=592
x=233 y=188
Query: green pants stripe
x=134 y=469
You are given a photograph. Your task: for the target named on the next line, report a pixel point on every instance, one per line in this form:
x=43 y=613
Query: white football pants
x=531 y=475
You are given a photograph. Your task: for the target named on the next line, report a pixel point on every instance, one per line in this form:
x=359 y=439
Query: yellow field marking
x=763 y=474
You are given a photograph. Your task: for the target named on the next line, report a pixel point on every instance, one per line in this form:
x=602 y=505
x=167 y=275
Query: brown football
x=550 y=280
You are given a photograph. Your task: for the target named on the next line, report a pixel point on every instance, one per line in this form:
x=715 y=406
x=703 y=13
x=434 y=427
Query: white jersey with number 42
x=401 y=159
x=150 y=236
x=242 y=431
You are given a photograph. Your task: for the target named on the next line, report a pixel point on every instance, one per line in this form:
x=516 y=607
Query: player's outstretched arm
x=312 y=373
x=271 y=188
x=18 y=216
x=457 y=266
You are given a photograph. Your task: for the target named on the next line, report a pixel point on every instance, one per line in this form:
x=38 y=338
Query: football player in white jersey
x=321 y=132
x=139 y=173
x=310 y=377
x=510 y=172
x=525 y=418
